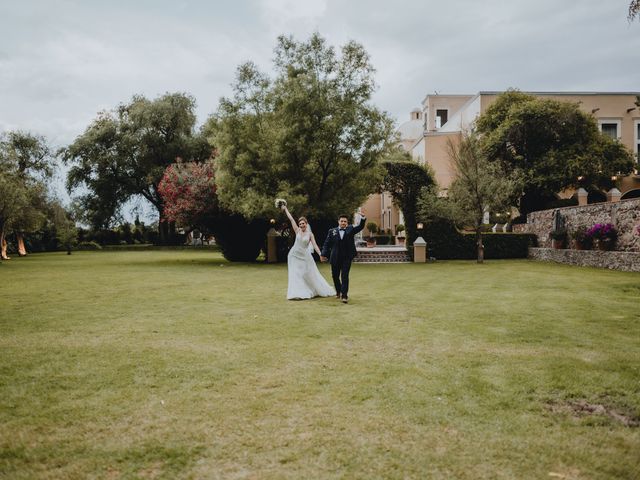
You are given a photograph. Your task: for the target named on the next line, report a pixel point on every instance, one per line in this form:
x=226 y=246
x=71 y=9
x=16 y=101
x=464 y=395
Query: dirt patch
x=582 y=408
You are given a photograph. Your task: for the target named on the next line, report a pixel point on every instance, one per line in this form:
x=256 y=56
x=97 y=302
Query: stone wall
x=625 y=261
x=624 y=215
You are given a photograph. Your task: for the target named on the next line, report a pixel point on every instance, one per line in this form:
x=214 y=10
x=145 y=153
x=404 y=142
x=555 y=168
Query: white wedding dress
x=305 y=280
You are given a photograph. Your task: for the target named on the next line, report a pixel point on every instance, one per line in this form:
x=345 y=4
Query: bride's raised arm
x=293 y=222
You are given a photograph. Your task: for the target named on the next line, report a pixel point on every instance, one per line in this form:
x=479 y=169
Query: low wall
x=624 y=215
x=625 y=261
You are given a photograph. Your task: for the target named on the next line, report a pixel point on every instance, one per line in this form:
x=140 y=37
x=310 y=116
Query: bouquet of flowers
x=280 y=202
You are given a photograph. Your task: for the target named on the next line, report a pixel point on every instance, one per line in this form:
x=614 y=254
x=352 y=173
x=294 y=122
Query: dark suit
x=341 y=252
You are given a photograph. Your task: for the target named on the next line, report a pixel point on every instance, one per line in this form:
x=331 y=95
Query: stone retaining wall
x=624 y=215
x=625 y=261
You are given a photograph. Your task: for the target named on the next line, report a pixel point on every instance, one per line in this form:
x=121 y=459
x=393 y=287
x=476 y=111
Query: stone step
x=382 y=256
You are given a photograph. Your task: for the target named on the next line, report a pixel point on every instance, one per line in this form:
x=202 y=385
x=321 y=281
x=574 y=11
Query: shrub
x=603 y=231
x=239 y=239
x=89 y=246
x=444 y=241
x=383 y=239
x=580 y=236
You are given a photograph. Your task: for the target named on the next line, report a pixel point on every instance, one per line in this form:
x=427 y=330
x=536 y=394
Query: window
x=441 y=117
x=610 y=128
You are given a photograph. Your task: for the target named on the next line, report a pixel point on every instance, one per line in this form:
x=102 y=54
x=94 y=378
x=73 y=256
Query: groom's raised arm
x=360 y=227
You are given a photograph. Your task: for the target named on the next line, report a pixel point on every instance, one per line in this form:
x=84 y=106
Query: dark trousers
x=340 y=271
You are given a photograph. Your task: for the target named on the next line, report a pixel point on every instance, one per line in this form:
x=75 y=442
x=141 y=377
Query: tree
x=25 y=165
x=65 y=228
x=405 y=179
x=125 y=152
x=634 y=10
x=309 y=135
x=479 y=185
x=188 y=191
x=551 y=144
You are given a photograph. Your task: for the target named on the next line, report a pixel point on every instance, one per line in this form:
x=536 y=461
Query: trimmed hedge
x=384 y=240
x=444 y=241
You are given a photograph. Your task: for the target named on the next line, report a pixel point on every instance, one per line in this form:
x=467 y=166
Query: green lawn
x=177 y=364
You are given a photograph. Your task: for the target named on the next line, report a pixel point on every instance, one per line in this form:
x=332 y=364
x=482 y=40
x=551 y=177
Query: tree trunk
x=22 y=251
x=3 y=245
x=479 y=245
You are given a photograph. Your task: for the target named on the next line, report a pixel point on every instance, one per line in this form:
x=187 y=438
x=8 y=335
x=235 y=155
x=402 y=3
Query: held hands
x=323 y=259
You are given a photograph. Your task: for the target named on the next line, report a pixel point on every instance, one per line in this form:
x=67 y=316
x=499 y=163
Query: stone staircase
x=382 y=254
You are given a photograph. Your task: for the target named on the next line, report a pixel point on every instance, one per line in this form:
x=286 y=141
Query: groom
x=341 y=249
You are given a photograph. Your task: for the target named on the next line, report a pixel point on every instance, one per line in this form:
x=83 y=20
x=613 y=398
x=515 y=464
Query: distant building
x=444 y=117
x=447 y=116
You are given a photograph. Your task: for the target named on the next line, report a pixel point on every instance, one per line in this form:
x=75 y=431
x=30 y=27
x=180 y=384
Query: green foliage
x=309 y=135
x=550 y=143
x=89 y=245
x=444 y=241
x=25 y=165
x=384 y=239
x=405 y=180
x=634 y=11
x=124 y=153
x=65 y=227
x=372 y=227
x=478 y=186
x=239 y=239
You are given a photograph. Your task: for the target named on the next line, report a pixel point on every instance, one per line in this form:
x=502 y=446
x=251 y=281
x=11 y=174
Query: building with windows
x=447 y=116
x=444 y=117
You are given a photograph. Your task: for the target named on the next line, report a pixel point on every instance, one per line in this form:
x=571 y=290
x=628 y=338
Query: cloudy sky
x=63 y=61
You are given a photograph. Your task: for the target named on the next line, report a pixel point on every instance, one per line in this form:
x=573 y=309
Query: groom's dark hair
x=343 y=216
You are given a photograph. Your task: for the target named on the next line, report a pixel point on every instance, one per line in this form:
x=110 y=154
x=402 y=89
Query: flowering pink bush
x=189 y=193
x=602 y=231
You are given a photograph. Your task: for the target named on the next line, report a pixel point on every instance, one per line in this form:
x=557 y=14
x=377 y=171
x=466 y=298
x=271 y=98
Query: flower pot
x=557 y=244
x=606 y=245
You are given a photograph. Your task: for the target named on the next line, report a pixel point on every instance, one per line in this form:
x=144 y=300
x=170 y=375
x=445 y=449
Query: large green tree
x=124 y=153
x=26 y=164
x=553 y=144
x=310 y=134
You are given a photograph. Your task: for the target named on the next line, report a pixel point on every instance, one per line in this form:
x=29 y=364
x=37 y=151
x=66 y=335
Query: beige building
x=445 y=117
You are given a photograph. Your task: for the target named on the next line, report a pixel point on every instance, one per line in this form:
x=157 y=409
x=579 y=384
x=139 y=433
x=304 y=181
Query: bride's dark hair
x=305 y=220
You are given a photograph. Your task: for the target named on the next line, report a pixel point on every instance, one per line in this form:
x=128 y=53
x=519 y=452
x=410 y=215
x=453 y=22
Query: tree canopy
x=405 y=179
x=124 y=153
x=25 y=165
x=189 y=193
x=634 y=10
x=551 y=144
x=310 y=134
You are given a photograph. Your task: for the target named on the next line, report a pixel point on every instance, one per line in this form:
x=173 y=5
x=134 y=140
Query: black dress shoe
x=345 y=300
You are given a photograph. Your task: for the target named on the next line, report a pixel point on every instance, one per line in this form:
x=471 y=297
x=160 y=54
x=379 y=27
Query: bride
x=305 y=280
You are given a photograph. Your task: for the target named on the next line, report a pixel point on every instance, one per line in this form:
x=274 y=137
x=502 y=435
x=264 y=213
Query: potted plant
x=558 y=238
x=373 y=229
x=604 y=234
x=582 y=241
